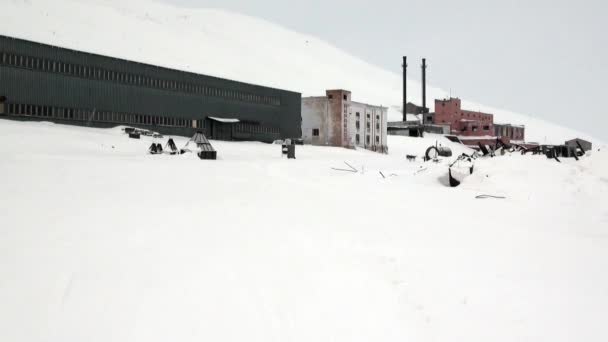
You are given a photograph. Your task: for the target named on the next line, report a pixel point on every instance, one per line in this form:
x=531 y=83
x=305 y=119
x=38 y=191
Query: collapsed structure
x=336 y=120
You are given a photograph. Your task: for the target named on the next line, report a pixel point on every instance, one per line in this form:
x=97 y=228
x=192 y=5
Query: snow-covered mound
x=230 y=45
x=100 y=241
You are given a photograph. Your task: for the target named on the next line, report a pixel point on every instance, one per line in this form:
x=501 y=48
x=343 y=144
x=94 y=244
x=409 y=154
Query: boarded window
x=315 y=132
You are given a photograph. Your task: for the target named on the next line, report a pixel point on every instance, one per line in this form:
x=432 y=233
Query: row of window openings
x=330 y=96
x=103 y=116
x=121 y=77
x=315 y=133
x=368 y=125
x=106 y=116
x=358 y=115
x=367 y=139
x=251 y=128
x=474 y=128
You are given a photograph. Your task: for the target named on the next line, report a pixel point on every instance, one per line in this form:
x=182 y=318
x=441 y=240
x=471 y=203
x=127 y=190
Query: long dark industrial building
x=43 y=82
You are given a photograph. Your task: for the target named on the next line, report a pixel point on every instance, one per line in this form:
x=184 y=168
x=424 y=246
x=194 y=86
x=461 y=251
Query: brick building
x=462 y=122
x=336 y=120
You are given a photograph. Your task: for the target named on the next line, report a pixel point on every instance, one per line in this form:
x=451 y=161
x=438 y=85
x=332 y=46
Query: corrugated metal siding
x=45 y=88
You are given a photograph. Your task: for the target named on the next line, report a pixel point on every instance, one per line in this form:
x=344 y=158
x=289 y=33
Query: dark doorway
x=2 y=101
x=219 y=128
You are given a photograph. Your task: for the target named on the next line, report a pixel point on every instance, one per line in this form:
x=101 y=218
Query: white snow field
x=230 y=45
x=100 y=241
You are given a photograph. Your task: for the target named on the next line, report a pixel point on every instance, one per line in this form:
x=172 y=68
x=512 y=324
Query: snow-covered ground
x=100 y=241
x=231 y=45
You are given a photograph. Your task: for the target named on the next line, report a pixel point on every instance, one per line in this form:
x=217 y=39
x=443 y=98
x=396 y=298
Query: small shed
x=584 y=144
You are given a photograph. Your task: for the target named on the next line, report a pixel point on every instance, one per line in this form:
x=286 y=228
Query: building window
x=377 y=139
x=315 y=132
x=486 y=128
x=330 y=96
x=367 y=140
x=357 y=125
x=357 y=140
x=345 y=97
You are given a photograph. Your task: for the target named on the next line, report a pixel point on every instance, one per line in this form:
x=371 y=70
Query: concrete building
x=43 y=82
x=513 y=132
x=336 y=120
x=415 y=128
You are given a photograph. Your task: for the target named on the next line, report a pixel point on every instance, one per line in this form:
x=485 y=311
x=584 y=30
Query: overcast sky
x=537 y=57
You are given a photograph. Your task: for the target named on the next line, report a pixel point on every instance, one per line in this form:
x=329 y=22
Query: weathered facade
x=43 y=82
x=336 y=120
x=513 y=132
x=574 y=143
x=462 y=122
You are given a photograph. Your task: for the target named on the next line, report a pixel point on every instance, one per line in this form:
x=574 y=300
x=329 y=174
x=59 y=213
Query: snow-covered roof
x=225 y=120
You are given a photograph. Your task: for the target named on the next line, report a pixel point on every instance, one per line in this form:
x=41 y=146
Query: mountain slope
x=227 y=45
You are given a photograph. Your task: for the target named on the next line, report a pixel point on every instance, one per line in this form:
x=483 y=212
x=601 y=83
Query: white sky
x=542 y=58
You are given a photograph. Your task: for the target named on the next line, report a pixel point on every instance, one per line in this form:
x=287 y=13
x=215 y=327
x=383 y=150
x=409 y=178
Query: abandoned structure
x=43 y=82
x=416 y=119
x=462 y=122
x=513 y=132
x=584 y=144
x=415 y=128
x=336 y=120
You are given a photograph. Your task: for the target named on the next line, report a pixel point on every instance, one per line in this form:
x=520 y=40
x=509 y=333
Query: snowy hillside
x=228 y=45
x=100 y=241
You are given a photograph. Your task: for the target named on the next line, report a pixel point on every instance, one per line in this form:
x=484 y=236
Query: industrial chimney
x=424 y=84
x=404 y=88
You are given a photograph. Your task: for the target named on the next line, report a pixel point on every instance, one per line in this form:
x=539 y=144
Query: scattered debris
x=171 y=147
x=155 y=149
x=382 y=174
x=288 y=148
x=352 y=169
x=139 y=132
x=489 y=196
x=461 y=168
x=484 y=149
x=410 y=157
x=134 y=135
x=433 y=152
x=203 y=148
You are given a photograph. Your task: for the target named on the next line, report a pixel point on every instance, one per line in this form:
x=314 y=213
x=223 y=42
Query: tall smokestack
x=424 y=84
x=404 y=88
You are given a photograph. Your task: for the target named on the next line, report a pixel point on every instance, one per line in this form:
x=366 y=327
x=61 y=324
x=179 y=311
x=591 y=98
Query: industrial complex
x=44 y=82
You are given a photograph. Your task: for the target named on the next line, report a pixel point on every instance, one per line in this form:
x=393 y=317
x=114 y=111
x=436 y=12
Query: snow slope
x=228 y=45
x=100 y=241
